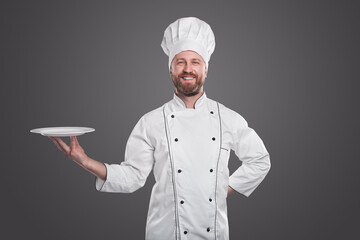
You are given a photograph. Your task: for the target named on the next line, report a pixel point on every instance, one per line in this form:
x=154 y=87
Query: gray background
x=290 y=68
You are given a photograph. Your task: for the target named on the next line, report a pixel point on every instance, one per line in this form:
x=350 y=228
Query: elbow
x=267 y=166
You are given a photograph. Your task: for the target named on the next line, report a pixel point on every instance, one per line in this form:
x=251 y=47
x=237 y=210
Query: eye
x=180 y=62
x=196 y=62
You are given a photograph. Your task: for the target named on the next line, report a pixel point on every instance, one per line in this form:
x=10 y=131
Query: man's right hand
x=77 y=154
x=74 y=151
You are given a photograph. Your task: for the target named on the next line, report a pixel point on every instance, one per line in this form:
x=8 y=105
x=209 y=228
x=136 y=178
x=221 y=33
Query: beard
x=188 y=88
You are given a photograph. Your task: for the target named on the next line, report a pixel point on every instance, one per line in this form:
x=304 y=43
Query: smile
x=187 y=78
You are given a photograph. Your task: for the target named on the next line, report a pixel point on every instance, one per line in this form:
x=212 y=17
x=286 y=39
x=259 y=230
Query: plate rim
x=80 y=130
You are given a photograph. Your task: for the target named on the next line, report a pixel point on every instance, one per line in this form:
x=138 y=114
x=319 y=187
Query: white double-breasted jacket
x=188 y=151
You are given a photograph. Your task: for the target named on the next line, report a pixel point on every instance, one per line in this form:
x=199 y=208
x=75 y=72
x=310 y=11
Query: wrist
x=84 y=162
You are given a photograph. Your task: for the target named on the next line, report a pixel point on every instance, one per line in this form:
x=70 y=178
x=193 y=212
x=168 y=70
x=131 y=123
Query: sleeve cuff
x=99 y=183
x=237 y=190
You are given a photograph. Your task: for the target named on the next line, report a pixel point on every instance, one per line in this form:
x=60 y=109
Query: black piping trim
x=102 y=186
x=184 y=105
x=202 y=95
x=177 y=226
x=181 y=101
x=217 y=167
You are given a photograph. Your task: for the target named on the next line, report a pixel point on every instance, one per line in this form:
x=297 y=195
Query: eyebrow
x=198 y=59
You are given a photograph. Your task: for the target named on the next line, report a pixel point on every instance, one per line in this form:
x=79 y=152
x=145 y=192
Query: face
x=188 y=72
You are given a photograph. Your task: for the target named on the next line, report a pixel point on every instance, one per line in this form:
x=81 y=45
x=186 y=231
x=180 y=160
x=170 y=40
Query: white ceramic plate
x=62 y=131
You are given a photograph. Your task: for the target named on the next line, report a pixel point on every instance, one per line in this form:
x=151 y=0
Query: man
x=187 y=143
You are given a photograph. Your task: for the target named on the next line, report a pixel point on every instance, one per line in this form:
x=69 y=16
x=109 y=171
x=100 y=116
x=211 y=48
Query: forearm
x=249 y=175
x=95 y=167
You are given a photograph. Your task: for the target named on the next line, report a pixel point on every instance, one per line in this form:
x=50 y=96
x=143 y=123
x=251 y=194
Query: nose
x=187 y=68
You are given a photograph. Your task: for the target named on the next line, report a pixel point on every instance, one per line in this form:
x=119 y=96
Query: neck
x=189 y=101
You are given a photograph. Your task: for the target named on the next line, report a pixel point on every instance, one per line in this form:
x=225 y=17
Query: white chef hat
x=189 y=33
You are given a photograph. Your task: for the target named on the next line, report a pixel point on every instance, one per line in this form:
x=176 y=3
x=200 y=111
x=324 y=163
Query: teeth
x=188 y=78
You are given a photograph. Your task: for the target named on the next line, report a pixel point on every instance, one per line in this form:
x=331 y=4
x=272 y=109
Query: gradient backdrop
x=290 y=68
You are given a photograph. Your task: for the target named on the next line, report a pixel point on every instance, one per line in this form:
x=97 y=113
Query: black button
x=179 y=171
x=213 y=139
x=182 y=202
x=185 y=232
x=210 y=199
x=176 y=139
x=208 y=229
x=172 y=116
x=212 y=112
x=211 y=170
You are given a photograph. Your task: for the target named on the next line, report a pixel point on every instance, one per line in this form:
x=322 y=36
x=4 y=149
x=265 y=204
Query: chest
x=193 y=137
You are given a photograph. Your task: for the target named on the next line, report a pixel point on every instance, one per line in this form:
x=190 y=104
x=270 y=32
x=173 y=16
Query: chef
x=187 y=144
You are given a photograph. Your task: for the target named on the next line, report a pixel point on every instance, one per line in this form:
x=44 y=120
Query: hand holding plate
x=74 y=151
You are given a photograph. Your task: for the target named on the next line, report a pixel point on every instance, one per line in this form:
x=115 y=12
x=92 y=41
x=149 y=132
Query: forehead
x=188 y=55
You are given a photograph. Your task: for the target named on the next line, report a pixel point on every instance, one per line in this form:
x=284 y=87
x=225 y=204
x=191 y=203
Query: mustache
x=188 y=74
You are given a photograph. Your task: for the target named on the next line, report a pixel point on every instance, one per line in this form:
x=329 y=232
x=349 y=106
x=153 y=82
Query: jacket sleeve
x=131 y=174
x=250 y=149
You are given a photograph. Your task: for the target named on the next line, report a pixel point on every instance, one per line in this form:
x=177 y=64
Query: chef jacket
x=188 y=151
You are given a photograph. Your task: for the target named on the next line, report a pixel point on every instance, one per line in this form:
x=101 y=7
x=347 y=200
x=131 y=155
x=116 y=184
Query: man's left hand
x=230 y=190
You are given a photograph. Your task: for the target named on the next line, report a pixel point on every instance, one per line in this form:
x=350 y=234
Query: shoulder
x=152 y=121
x=229 y=115
x=153 y=114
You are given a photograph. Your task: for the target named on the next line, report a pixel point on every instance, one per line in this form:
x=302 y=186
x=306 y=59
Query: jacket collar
x=180 y=105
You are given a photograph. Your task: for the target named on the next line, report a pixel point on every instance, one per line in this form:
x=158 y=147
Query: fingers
x=61 y=145
x=57 y=145
x=74 y=141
